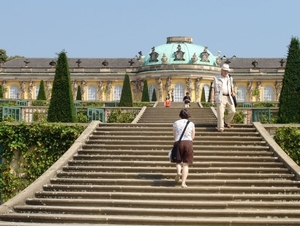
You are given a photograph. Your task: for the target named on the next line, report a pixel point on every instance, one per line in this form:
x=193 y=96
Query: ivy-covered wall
x=29 y=150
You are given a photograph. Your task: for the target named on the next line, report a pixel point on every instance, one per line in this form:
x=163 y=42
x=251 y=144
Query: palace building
x=176 y=67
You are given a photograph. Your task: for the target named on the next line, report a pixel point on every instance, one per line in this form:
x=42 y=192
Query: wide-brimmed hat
x=225 y=67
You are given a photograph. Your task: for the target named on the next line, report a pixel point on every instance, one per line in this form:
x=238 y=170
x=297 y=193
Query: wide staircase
x=122 y=176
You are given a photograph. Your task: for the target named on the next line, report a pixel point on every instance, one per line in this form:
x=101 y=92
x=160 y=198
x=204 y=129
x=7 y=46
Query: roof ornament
x=78 y=62
x=219 y=60
x=153 y=55
x=179 y=54
x=139 y=58
x=26 y=62
x=131 y=62
x=105 y=63
x=194 y=58
x=164 y=59
x=254 y=63
x=205 y=55
x=52 y=63
x=281 y=62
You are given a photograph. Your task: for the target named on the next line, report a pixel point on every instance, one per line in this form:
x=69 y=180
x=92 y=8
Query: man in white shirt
x=221 y=94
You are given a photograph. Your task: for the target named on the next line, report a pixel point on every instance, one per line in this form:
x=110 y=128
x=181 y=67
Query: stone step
x=128 y=169
x=158 y=211
x=268 y=190
x=164 y=158
x=147 y=221
x=158 y=175
x=163 y=153
x=167 y=164
x=170 y=182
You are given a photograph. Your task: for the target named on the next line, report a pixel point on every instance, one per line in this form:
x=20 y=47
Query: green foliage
x=142 y=104
x=239 y=117
x=40 y=103
x=40 y=145
x=42 y=93
x=78 y=95
x=289 y=104
x=61 y=107
x=145 y=94
x=288 y=138
x=82 y=118
x=203 y=96
x=3 y=56
x=1 y=91
x=126 y=96
x=121 y=116
x=154 y=97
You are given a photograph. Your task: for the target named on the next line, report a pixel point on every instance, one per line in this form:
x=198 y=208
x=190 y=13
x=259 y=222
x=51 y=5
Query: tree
x=154 y=98
x=126 y=95
x=1 y=91
x=289 y=105
x=203 y=96
x=145 y=94
x=42 y=93
x=78 y=95
x=3 y=56
x=61 y=107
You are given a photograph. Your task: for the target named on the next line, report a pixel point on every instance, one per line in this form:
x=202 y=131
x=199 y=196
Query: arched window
x=206 y=92
x=241 y=94
x=178 y=92
x=37 y=89
x=268 y=94
x=151 y=88
x=92 y=93
x=14 y=92
x=117 y=92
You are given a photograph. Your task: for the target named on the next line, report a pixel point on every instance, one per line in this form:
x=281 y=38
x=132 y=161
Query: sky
x=122 y=28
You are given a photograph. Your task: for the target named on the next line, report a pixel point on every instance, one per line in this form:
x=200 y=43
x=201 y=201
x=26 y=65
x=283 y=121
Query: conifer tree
x=154 y=98
x=289 y=104
x=42 y=93
x=61 y=107
x=145 y=94
x=78 y=95
x=126 y=95
x=203 y=96
x=1 y=91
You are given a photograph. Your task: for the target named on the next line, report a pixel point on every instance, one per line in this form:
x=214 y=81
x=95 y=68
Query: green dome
x=179 y=50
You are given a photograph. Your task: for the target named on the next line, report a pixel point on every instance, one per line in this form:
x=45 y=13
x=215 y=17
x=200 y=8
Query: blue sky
x=122 y=28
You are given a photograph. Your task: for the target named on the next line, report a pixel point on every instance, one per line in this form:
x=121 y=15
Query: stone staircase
x=122 y=176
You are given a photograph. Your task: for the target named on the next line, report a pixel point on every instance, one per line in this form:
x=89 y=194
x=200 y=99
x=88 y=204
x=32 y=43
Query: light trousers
x=220 y=112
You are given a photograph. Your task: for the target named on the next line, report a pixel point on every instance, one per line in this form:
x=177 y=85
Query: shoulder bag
x=174 y=153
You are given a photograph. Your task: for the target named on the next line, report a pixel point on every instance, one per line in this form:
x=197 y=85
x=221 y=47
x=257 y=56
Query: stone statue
x=189 y=85
x=48 y=89
x=75 y=88
x=198 y=80
x=168 y=84
x=22 y=87
x=159 y=87
x=83 y=88
x=100 y=90
x=250 y=90
x=277 y=89
x=108 y=90
x=258 y=87
x=30 y=88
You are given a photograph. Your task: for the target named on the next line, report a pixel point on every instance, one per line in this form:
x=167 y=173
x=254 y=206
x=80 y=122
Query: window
x=14 y=92
x=37 y=89
x=206 y=92
x=178 y=93
x=92 y=93
x=151 y=88
x=117 y=93
x=268 y=93
x=241 y=94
